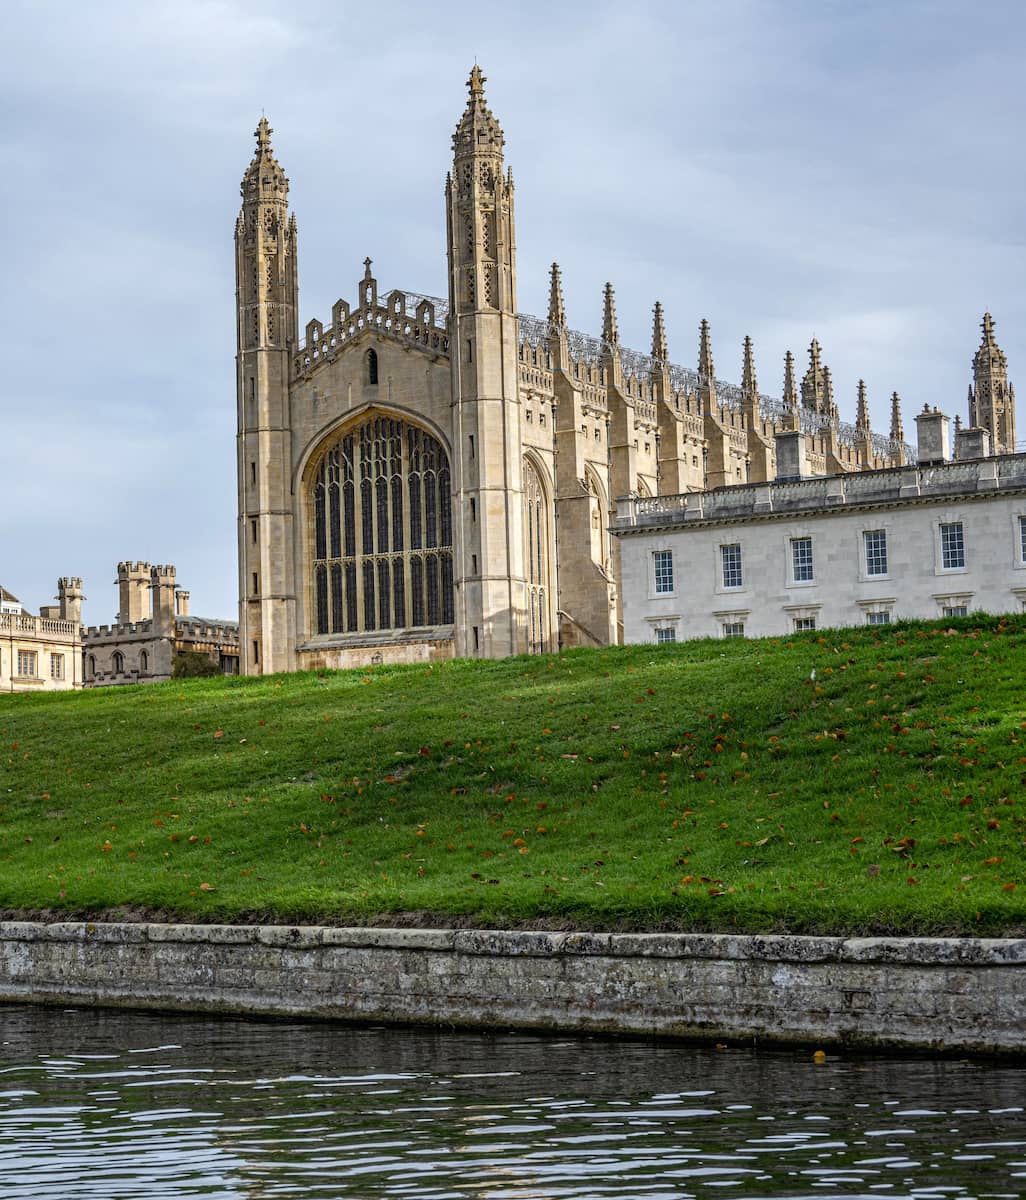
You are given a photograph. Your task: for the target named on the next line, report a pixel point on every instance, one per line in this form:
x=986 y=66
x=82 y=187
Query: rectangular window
x=730 y=560
x=955 y=610
x=666 y=634
x=1022 y=539
x=662 y=566
x=801 y=560
x=878 y=618
x=256 y=652
x=256 y=583
x=253 y=531
x=875 y=543
x=252 y=472
x=27 y=663
x=733 y=629
x=56 y=666
x=952 y=546
x=804 y=624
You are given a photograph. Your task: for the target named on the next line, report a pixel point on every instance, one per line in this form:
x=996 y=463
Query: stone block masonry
x=943 y=994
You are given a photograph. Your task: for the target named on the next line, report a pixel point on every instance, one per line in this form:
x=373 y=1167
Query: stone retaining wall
x=924 y=993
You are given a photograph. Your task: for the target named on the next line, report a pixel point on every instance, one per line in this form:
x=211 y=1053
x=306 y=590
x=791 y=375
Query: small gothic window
x=144 y=662
x=117 y=663
x=372 y=367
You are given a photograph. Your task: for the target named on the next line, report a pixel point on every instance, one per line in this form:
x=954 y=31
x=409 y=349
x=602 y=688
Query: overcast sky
x=852 y=171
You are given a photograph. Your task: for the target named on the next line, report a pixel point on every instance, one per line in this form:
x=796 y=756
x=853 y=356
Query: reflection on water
x=111 y=1105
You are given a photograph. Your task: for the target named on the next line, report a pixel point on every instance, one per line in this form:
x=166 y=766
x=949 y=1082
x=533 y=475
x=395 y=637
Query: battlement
x=69 y=583
x=129 y=569
x=118 y=630
x=161 y=573
x=403 y=316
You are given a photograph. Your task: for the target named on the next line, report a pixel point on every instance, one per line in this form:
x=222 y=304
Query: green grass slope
x=854 y=781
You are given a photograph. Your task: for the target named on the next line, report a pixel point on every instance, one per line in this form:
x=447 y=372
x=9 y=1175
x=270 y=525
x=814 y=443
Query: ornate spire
x=815 y=383
x=897 y=429
x=659 y=351
x=478 y=131
x=557 y=310
x=263 y=176
x=992 y=400
x=749 y=384
x=610 y=332
x=790 y=387
x=862 y=408
x=705 y=358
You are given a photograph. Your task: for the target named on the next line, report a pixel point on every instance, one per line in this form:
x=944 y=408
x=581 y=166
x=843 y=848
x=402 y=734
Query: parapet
x=162 y=573
x=127 y=569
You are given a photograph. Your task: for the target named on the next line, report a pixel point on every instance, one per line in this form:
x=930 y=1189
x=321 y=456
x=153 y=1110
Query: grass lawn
x=865 y=781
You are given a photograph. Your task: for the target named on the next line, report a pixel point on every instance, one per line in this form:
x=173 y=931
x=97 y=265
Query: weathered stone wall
x=925 y=993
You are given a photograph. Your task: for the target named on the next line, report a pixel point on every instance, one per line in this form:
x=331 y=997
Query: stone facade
x=421 y=477
x=943 y=994
x=153 y=628
x=925 y=541
x=42 y=653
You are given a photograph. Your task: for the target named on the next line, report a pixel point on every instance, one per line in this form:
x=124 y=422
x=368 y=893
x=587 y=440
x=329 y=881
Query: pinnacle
x=790 y=388
x=476 y=81
x=659 y=349
x=749 y=383
x=610 y=332
x=557 y=310
x=262 y=133
x=705 y=358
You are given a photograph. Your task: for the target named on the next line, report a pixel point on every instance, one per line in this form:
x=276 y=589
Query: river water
x=110 y=1105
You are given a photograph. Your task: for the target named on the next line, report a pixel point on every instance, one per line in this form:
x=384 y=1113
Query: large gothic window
x=382 y=523
x=536 y=527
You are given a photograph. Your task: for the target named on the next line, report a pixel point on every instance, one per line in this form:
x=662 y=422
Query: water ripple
x=120 y=1106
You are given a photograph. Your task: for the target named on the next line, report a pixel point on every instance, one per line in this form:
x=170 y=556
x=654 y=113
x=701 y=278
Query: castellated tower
x=133 y=592
x=267 y=302
x=69 y=598
x=489 y=549
x=991 y=397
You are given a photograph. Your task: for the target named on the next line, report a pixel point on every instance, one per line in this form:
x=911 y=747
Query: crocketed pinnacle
x=749 y=384
x=790 y=387
x=815 y=381
x=659 y=350
x=897 y=429
x=478 y=131
x=610 y=331
x=862 y=408
x=705 y=358
x=557 y=309
x=990 y=355
x=263 y=175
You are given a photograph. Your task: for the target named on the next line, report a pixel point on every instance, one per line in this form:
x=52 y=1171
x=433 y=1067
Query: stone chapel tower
x=491 y=605
x=267 y=304
x=992 y=398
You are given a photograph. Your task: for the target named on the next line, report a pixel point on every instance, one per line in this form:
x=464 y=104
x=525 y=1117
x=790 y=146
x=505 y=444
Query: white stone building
x=937 y=539
x=44 y=652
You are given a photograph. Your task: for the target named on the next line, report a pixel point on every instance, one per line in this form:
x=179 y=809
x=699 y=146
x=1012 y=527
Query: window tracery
x=382 y=531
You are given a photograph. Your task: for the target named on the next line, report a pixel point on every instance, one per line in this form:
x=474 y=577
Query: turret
x=816 y=386
x=162 y=587
x=489 y=555
x=69 y=598
x=267 y=304
x=992 y=398
x=133 y=592
x=181 y=602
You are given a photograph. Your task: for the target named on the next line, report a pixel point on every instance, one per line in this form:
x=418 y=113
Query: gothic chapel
x=421 y=478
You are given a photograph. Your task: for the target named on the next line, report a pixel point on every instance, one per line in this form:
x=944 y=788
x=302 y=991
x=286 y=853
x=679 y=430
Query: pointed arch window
x=382 y=531
x=536 y=555
x=117 y=663
x=372 y=367
x=144 y=663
